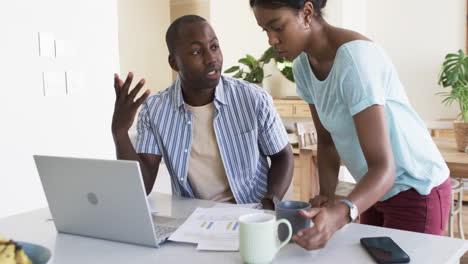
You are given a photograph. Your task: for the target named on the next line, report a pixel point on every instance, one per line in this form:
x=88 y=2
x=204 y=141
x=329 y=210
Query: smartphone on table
x=384 y=250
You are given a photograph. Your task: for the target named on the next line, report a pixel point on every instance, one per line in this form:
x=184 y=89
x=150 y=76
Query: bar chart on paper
x=212 y=228
x=232 y=226
x=229 y=226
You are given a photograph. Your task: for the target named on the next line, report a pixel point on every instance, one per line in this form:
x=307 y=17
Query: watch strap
x=348 y=203
x=353 y=213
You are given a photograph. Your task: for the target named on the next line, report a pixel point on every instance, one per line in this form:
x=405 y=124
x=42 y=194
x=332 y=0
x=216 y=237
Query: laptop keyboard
x=164 y=226
x=163 y=232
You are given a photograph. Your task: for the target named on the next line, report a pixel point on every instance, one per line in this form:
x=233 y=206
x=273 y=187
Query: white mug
x=258 y=237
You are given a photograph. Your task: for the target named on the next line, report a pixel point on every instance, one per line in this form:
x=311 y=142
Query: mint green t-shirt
x=363 y=75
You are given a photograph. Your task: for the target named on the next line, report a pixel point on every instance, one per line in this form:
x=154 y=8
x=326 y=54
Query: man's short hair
x=172 y=34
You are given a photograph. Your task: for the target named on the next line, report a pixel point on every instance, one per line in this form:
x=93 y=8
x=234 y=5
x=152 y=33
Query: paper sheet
x=229 y=205
x=212 y=228
x=210 y=245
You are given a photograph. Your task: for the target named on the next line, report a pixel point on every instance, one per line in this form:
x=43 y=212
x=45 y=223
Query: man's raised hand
x=126 y=103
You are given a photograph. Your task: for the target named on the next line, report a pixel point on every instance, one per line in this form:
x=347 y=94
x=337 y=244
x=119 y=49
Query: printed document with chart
x=212 y=228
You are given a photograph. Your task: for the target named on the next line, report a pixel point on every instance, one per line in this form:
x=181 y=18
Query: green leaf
x=285 y=68
x=268 y=55
x=450 y=62
x=453 y=69
x=280 y=59
x=251 y=59
x=454 y=75
x=238 y=74
x=249 y=77
x=247 y=62
x=451 y=55
x=288 y=73
x=259 y=75
x=232 y=69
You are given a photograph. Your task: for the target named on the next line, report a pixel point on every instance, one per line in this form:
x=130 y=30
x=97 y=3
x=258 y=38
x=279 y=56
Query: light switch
x=54 y=83
x=46 y=44
x=74 y=82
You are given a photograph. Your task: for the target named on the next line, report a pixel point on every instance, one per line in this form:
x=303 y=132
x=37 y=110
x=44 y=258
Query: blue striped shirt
x=247 y=129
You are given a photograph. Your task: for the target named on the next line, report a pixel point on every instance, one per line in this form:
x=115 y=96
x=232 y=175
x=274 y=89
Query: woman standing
x=363 y=117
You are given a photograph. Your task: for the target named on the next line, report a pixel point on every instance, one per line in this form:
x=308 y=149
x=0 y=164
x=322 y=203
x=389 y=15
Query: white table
x=344 y=247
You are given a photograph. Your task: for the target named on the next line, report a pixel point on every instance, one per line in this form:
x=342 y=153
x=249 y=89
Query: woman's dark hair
x=294 y=4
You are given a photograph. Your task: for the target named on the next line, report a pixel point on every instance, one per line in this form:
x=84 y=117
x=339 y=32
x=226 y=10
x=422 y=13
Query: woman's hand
x=327 y=220
x=320 y=201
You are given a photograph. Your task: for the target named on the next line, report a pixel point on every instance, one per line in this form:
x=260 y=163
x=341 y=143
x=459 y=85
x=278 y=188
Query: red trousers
x=411 y=211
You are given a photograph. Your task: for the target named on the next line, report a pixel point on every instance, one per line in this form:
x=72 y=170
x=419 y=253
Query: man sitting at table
x=214 y=132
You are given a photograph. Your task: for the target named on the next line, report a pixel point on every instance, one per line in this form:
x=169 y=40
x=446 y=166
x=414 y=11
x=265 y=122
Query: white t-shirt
x=206 y=173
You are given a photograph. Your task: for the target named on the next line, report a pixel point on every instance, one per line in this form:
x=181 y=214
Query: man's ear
x=172 y=62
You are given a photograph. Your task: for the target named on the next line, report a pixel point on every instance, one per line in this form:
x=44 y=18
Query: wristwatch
x=271 y=197
x=353 y=210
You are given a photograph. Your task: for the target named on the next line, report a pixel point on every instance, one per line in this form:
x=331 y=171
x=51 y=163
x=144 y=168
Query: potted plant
x=454 y=74
x=285 y=67
x=254 y=72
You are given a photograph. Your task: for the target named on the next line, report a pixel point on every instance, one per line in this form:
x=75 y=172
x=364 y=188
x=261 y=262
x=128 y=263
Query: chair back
x=306 y=133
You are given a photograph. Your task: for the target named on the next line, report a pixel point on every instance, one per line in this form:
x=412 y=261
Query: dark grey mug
x=289 y=210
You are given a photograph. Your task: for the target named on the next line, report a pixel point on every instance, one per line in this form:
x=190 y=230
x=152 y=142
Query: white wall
x=417 y=35
x=142 y=31
x=77 y=125
x=354 y=15
x=189 y=7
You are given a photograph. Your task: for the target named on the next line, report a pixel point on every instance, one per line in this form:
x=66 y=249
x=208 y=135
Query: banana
x=2 y=247
x=21 y=257
x=4 y=240
x=12 y=253
x=8 y=255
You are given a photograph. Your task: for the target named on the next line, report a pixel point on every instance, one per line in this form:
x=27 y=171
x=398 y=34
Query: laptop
x=103 y=199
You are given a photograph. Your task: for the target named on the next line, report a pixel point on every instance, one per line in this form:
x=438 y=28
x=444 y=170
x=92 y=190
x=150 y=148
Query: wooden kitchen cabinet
x=292 y=108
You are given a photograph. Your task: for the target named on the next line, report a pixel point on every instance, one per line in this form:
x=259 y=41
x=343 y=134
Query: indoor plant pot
x=461 y=134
